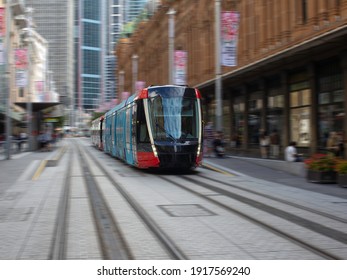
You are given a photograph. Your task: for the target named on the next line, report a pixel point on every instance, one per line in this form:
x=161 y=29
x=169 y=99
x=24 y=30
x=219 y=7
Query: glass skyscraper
x=89 y=53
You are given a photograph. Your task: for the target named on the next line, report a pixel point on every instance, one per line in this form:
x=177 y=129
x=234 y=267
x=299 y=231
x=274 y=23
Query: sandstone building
x=291 y=73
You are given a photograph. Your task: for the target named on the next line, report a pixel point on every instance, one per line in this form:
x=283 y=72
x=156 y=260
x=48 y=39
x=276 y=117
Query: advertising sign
x=229 y=37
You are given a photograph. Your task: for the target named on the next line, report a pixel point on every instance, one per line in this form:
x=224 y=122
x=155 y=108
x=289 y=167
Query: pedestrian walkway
x=263 y=169
x=257 y=168
x=23 y=164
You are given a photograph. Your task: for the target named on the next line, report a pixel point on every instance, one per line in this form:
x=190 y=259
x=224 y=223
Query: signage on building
x=229 y=37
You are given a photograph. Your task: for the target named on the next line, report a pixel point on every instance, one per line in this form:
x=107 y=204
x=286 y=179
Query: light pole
x=121 y=81
x=171 y=32
x=8 y=79
x=135 y=58
x=218 y=85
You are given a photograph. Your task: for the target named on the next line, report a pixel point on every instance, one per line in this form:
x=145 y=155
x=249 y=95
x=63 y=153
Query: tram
x=159 y=127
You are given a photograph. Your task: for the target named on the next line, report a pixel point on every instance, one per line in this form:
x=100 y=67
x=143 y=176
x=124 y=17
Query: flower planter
x=342 y=180
x=324 y=177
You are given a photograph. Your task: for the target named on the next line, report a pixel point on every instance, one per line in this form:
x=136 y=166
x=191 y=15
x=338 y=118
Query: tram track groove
x=289 y=203
x=58 y=246
x=166 y=242
x=290 y=237
x=112 y=243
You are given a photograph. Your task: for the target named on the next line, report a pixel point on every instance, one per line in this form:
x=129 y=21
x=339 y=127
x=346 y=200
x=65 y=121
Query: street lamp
x=218 y=84
x=8 y=87
x=121 y=81
x=29 y=12
x=135 y=58
x=171 y=32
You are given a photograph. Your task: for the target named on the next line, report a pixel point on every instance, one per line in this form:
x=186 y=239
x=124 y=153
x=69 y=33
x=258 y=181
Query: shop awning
x=37 y=106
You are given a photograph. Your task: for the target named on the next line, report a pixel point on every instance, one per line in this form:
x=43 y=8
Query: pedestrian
x=274 y=144
x=291 y=154
x=333 y=143
x=264 y=143
x=218 y=144
x=209 y=137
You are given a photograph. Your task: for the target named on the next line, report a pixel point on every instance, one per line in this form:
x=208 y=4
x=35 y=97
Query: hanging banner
x=2 y=53
x=21 y=58
x=21 y=78
x=39 y=94
x=2 y=22
x=229 y=37
x=180 y=64
x=21 y=65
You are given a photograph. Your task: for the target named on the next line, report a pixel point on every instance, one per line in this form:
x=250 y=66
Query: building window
x=21 y=92
x=300 y=112
x=238 y=121
x=330 y=100
x=275 y=105
x=255 y=105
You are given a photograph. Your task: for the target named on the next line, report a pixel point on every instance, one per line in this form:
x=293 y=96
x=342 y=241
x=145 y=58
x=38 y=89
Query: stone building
x=291 y=73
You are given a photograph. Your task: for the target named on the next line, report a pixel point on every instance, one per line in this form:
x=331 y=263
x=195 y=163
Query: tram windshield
x=173 y=113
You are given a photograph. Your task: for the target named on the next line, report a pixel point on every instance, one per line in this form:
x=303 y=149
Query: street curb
x=56 y=157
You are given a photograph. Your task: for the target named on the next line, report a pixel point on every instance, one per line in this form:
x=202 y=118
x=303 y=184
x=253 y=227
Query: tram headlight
x=198 y=150
x=154 y=151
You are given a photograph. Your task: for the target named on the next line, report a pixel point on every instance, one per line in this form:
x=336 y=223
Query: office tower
x=89 y=52
x=54 y=21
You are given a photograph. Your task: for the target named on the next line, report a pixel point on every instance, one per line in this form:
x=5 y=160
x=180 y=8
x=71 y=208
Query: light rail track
x=311 y=225
x=109 y=181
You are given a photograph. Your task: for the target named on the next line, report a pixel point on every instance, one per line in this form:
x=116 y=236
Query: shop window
x=254 y=117
x=300 y=114
x=274 y=116
x=238 y=122
x=300 y=126
x=331 y=101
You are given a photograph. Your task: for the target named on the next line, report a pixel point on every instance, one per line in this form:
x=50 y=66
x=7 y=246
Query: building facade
x=54 y=21
x=291 y=72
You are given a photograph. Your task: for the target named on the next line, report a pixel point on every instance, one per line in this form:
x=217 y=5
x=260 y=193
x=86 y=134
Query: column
x=344 y=79
x=314 y=110
x=286 y=110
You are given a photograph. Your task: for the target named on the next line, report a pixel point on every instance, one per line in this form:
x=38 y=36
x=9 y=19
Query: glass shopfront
x=238 y=121
x=255 y=105
x=275 y=107
x=330 y=100
x=300 y=111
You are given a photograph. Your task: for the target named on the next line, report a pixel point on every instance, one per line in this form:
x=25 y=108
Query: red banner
x=21 y=58
x=2 y=22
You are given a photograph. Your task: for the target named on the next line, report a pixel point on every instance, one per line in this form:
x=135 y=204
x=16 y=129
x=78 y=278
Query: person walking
x=274 y=144
x=209 y=137
x=264 y=142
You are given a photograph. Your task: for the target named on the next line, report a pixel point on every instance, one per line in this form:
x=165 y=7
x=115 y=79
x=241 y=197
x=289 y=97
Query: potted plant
x=341 y=169
x=321 y=168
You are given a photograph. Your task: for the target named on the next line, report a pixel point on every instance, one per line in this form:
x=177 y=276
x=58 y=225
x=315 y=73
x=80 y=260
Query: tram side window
x=142 y=131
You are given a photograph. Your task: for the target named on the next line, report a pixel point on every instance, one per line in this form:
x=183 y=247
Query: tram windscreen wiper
x=164 y=130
